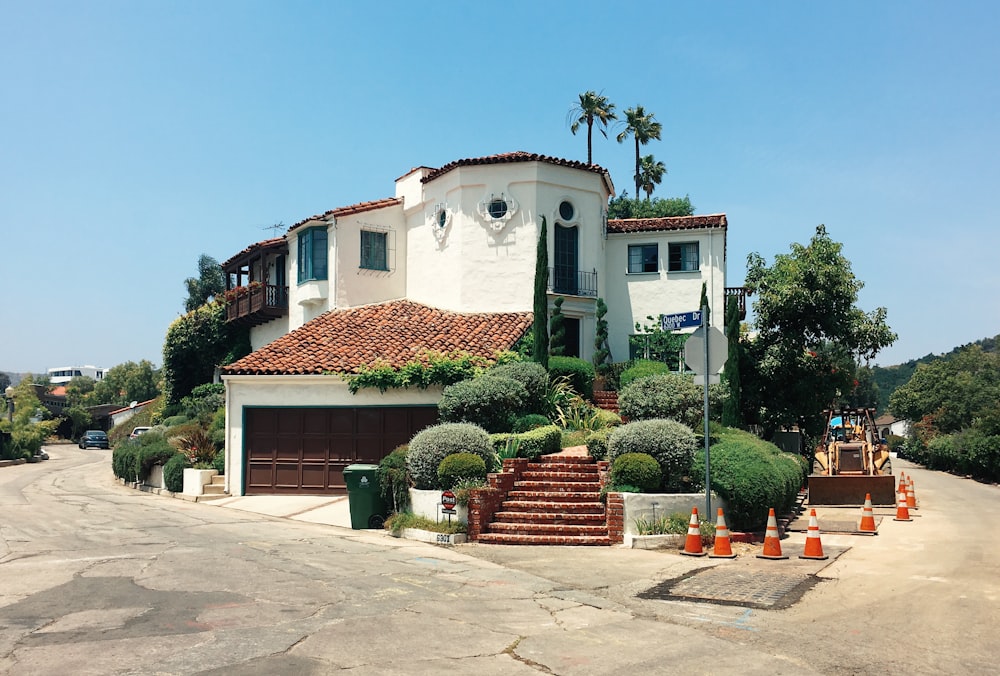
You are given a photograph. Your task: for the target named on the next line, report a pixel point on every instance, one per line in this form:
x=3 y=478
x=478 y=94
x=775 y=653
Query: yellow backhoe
x=851 y=461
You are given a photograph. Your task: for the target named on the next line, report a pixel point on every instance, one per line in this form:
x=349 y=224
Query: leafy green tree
x=4 y=381
x=79 y=391
x=601 y=351
x=643 y=128
x=128 y=382
x=593 y=107
x=731 y=404
x=211 y=282
x=557 y=329
x=809 y=333
x=624 y=206
x=79 y=421
x=951 y=394
x=651 y=174
x=195 y=345
x=539 y=327
x=865 y=391
x=28 y=433
x=652 y=342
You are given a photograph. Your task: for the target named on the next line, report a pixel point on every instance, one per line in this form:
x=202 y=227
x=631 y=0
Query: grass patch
x=674 y=524
x=401 y=520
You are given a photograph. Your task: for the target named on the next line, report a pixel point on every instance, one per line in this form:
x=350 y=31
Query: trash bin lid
x=361 y=468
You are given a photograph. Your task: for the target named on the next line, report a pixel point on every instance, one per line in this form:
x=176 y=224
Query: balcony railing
x=570 y=282
x=740 y=294
x=256 y=304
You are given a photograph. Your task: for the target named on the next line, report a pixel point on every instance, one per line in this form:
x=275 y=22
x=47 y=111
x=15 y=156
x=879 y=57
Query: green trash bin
x=368 y=509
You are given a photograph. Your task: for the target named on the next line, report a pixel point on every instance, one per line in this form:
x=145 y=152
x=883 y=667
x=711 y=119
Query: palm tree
x=593 y=107
x=643 y=128
x=651 y=173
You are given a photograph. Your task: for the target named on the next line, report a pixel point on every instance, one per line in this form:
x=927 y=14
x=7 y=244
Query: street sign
x=680 y=321
x=694 y=350
x=713 y=379
x=448 y=502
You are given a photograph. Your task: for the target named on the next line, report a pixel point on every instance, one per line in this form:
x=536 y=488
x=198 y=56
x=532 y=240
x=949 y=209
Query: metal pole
x=708 y=480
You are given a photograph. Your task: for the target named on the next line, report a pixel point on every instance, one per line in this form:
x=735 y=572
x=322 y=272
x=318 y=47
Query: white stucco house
x=447 y=262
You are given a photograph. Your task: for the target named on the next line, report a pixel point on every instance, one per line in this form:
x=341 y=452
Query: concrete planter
x=195 y=480
x=428 y=504
x=155 y=478
x=650 y=506
x=671 y=541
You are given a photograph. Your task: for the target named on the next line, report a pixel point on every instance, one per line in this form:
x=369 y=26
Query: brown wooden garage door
x=305 y=450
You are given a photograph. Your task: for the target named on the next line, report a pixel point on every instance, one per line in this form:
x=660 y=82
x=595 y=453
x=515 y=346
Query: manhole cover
x=723 y=585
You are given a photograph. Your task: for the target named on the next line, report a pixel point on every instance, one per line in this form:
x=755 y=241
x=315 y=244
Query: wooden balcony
x=256 y=304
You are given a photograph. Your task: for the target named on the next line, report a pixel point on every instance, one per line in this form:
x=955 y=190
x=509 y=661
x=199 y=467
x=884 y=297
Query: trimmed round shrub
x=489 y=402
x=173 y=473
x=432 y=445
x=637 y=469
x=597 y=444
x=534 y=378
x=604 y=418
x=153 y=454
x=526 y=423
x=642 y=368
x=580 y=373
x=174 y=420
x=751 y=475
x=666 y=396
x=461 y=466
x=671 y=443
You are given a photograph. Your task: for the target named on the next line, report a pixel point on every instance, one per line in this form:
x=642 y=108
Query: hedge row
x=533 y=443
x=970 y=453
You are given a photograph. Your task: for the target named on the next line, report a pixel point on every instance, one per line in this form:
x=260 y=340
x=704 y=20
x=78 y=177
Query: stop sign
x=694 y=350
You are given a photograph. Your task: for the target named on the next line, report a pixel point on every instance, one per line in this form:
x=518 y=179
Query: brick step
x=559 y=459
x=549 y=506
x=591 y=477
x=581 y=519
x=512 y=539
x=559 y=486
x=559 y=497
x=528 y=528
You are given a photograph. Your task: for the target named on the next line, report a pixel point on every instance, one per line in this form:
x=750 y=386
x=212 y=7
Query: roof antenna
x=276 y=227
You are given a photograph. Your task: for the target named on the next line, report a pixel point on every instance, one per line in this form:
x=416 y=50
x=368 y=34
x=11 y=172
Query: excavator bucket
x=847 y=489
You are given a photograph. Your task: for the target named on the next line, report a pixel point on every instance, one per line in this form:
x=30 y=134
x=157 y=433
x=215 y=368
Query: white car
x=136 y=431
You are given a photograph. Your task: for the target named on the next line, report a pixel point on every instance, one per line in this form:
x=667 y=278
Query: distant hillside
x=888 y=378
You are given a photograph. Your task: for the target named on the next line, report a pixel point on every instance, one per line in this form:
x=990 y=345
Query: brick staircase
x=553 y=502
x=608 y=400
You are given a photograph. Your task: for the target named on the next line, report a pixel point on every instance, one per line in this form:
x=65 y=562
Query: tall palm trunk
x=637 y=165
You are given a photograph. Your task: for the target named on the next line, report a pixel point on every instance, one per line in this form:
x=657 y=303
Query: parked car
x=94 y=439
x=136 y=431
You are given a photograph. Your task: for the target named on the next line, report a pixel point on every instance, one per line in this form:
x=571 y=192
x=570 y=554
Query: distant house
x=60 y=375
x=447 y=262
x=889 y=425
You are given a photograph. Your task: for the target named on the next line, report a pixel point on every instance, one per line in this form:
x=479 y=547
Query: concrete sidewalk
x=323 y=509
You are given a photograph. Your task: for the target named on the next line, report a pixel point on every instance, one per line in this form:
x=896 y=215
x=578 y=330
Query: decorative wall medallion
x=440 y=221
x=497 y=210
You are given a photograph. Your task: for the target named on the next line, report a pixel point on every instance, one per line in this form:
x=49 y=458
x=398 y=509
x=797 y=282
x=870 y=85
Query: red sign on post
x=448 y=500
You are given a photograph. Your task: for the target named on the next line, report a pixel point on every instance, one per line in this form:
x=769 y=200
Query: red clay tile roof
x=139 y=405
x=341 y=341
x=351 y=209
x=520 y=156
x=253 y=248
x=668 y=223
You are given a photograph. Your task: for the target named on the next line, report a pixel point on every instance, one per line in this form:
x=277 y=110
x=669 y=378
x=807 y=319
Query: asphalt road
x=96 y=578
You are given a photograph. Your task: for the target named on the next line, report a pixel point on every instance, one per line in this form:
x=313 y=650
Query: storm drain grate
x=723 y=585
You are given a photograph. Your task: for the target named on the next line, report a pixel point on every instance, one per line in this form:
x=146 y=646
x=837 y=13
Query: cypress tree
x=557 y=330
x=731 y=415
x=601 y=351
x=539 y=329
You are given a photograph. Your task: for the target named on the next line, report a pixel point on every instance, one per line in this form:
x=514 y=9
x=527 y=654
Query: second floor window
x=684 y=257
x=643 y=258
x=374 y=250
x=313 y=251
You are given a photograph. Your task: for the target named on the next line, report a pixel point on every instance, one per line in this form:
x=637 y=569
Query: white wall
x=354 y=286
x=303 y=391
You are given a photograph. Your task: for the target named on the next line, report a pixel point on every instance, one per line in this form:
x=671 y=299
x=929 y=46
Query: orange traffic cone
x=911 y=496
x=692 y=544
x=772 y=543
x=902 y=512
x=723 y=547
x=814 y=548
x=868 y=517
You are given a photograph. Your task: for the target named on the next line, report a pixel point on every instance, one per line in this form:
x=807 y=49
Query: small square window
x=683 y=257
x=643 y=258
x=374 y=250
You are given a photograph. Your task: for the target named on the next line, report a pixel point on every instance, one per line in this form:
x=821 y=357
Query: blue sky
x=137 y=135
